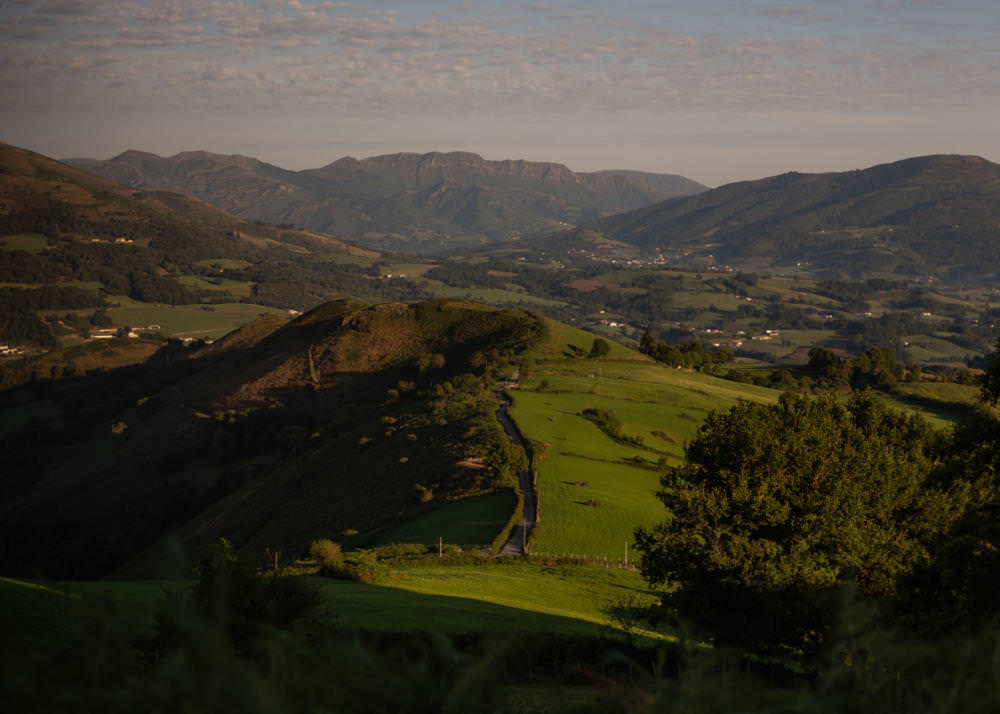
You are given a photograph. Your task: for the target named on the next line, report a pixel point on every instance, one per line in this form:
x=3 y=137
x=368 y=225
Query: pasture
x=471 y=521
x=594 y=490
x=492 y=598
x=28 y=242
x=196 y=321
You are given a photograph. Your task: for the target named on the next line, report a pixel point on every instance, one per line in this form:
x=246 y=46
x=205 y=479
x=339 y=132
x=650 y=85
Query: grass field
x=233 y=287
x=594 y=491
x=42 y=616
x=493 y=296
x=343 y=258
x=559 y=336
x=472 y=521
x=515 y=597
x=502 y=598
x=943 y=404
x=187 y=320
x=28 y=242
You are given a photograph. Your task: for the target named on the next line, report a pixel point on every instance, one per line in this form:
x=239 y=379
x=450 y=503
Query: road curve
x=519 y=535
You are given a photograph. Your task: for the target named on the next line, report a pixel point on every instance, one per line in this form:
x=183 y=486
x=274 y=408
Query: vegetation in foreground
x=262 y=643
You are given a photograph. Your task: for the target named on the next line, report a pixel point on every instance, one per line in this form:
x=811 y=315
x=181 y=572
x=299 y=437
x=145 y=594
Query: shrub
x=325 y=552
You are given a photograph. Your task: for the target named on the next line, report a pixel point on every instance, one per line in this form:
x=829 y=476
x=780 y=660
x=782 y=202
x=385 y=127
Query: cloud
x=791 y=11
x=473 y=58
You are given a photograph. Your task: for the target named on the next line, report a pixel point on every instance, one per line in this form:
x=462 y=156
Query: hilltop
x=417 y=203
x=926 y=216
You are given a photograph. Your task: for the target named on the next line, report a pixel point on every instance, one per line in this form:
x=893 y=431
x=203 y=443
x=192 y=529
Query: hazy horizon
x=720 y=92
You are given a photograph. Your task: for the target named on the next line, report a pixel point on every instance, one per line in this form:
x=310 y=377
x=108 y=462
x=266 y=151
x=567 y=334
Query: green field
x=493 y=296
x=187 y=320
x=594 y=491
x=344 y=258
x=42 y=616
x=233 y=287
x=943 y=404
x=502 y=598
x=472 y=521
x=559 y=336
x=28 y=242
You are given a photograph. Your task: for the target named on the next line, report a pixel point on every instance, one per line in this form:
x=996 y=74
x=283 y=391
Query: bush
x=361 y=566
x=325 y=552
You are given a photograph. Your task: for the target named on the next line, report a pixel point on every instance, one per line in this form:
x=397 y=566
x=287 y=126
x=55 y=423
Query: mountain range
x=414 y=203
x=930 y=215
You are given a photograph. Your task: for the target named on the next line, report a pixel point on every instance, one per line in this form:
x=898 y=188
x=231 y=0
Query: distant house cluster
x=118 y=241
x=109 y=333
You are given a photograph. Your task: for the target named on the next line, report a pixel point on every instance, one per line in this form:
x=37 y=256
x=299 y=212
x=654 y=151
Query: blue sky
x=718 y=90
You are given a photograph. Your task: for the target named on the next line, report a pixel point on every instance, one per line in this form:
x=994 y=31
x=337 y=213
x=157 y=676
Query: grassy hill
x=140 y=254
x=405 y=202
x=595 y=487
x=341 y=423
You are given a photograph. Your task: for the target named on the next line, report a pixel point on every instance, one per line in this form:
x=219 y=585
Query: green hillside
x=341 y=423
x=415 y=203
x=903 y=218
x=595 y=488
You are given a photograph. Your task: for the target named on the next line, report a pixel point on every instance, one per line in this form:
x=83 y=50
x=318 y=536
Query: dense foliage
x=691 y=354
x=778 y=508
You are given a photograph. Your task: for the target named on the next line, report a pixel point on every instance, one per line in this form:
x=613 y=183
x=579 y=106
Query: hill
x=417 y=203
x=342 y=423
x=931 y=215
x=80 y=253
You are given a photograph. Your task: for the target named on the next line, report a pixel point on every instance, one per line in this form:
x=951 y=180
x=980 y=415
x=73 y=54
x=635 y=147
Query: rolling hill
x=416 y=203
x=931 y=215
x=343 y=422
x=42 y=195
x=71 y=242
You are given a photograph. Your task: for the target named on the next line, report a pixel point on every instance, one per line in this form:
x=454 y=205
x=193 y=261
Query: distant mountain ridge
x=410 y=202
x=932 y=215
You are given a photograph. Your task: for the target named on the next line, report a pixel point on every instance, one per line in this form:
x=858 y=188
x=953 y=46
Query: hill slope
x=932 y=215
x=39 y=194
x=412 y=202
x=347 y=418
x=92 y=243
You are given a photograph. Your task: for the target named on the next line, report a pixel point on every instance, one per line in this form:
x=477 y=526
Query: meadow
x=196 y=321
x=28 y=242
x=493 y=296
x=471 y=521
x=595 y=490
x=491 y=598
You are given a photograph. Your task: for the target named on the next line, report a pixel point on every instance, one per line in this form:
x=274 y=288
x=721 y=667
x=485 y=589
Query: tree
x=778 y=508
x=957 y=587
x=600 y=348
x=991 y=378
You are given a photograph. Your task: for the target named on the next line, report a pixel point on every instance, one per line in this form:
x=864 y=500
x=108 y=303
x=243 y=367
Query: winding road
x=519 y=535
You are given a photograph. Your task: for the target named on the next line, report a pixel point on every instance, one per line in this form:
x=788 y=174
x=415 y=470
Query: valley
x=220 y=433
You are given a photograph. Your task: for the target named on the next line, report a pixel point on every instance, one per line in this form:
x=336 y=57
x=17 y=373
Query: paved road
x=519 y=535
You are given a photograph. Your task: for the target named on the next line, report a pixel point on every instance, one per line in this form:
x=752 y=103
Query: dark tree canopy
x=600 y=348
x=779 y=507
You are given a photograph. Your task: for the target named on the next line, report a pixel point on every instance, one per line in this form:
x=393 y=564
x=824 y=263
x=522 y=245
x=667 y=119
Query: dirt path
x=519 y=535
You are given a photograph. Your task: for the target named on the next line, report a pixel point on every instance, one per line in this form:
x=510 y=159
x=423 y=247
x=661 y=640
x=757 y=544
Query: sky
x=716 y=90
